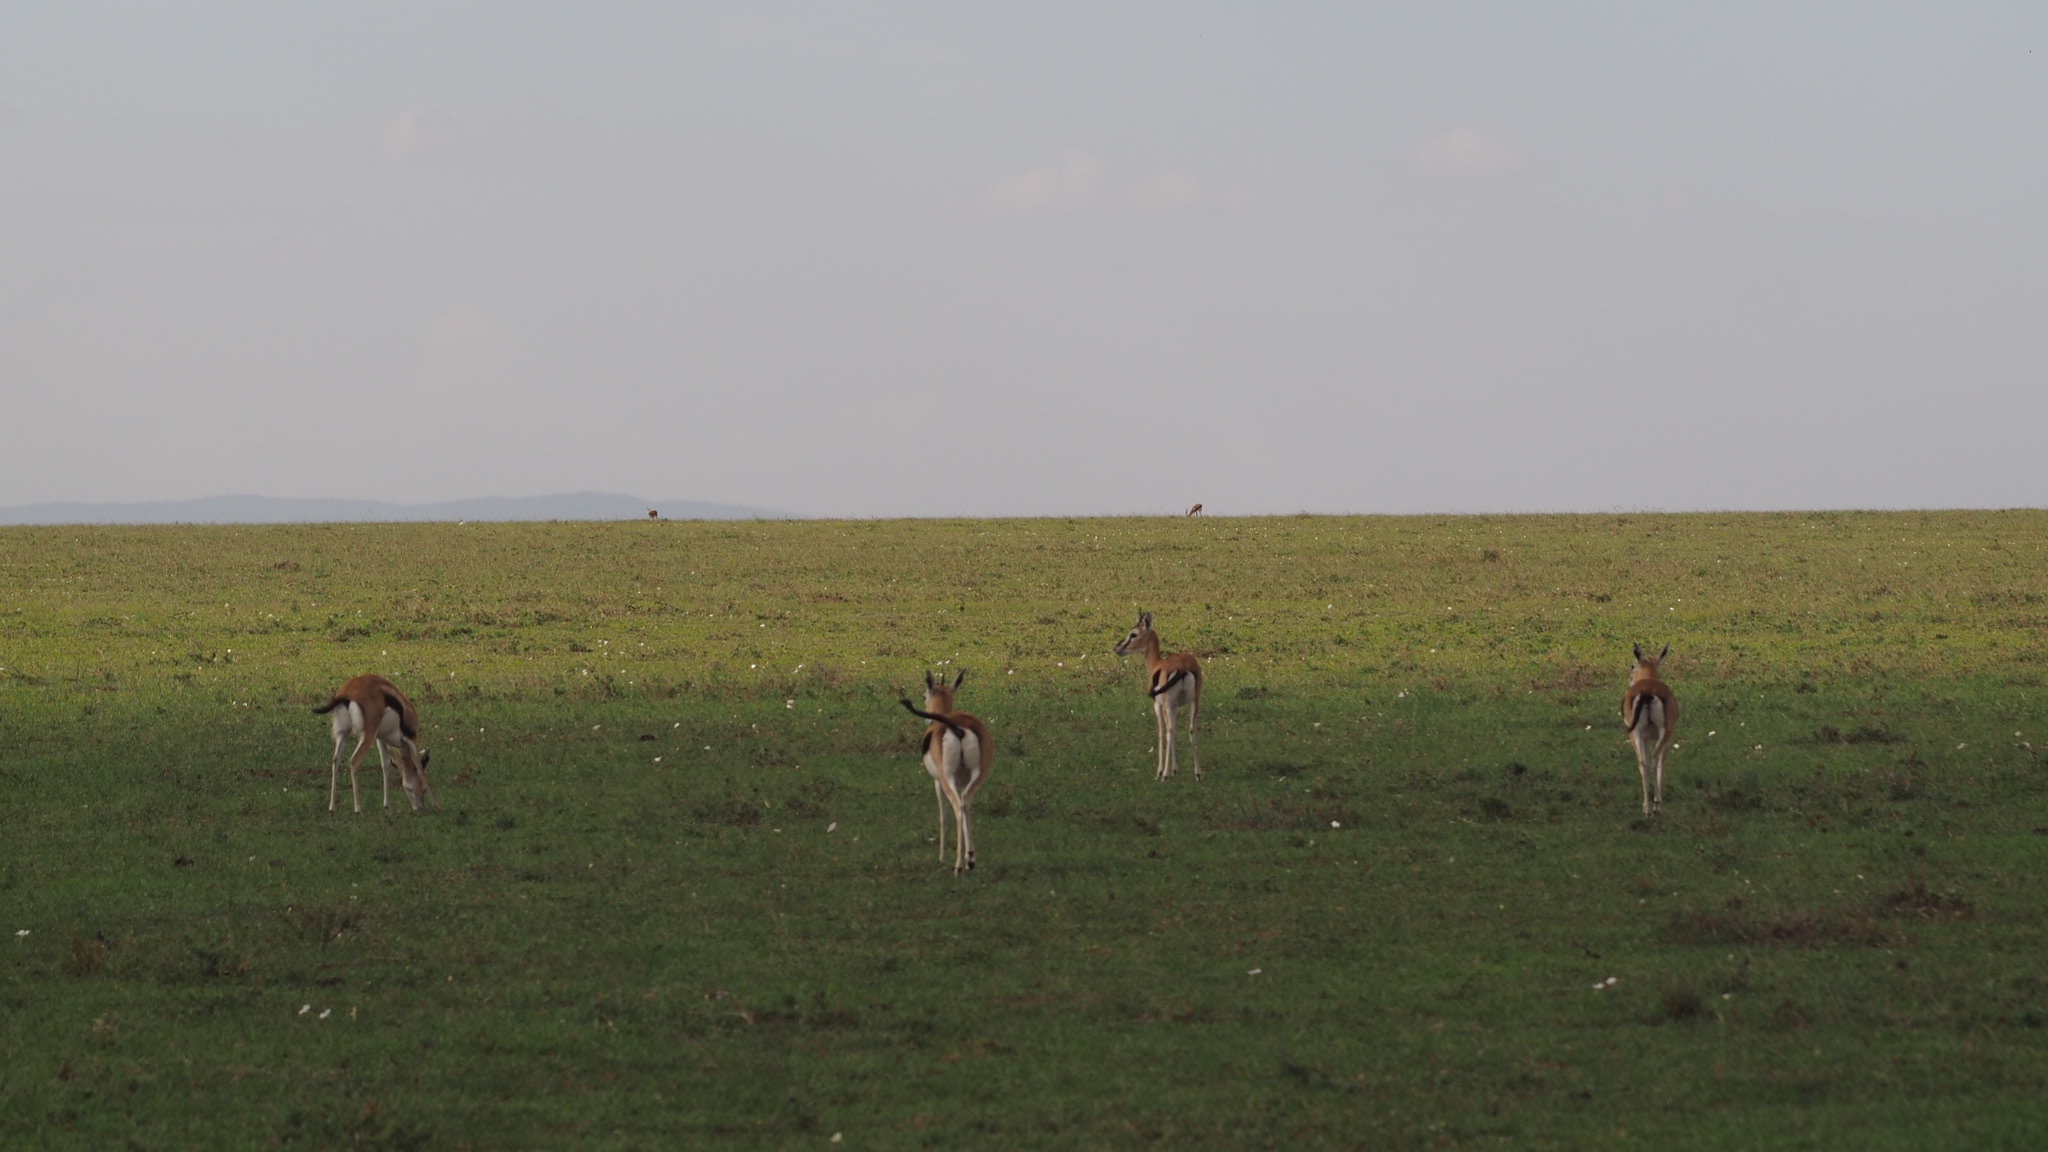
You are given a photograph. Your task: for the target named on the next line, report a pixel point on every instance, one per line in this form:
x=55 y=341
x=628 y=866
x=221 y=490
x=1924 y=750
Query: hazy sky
x=934 y=258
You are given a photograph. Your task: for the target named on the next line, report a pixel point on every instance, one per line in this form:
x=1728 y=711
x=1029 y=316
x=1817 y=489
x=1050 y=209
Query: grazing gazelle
x=1174 y=680
x=957 y=754
x=1195 y=510
x=369 y=707
x=1650 y=713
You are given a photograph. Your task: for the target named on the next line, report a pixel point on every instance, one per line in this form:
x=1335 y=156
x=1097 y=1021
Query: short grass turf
x=682 y=888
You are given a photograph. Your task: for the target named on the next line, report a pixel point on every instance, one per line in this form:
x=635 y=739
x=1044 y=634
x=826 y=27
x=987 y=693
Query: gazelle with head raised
x=1650 y=713
x=369 y=707
x=957 y=756
x=1174 y=681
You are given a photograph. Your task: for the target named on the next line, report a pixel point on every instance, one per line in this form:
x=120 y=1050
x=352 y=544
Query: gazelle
x=1195 y=510
x=369 y=707
x=957 y=755
x=1174 y=680
x=1650 y=713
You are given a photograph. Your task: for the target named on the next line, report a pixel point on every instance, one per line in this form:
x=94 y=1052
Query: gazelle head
x=1646 y=665
x=418 y=791
x=938 y=695
x=1136 y=640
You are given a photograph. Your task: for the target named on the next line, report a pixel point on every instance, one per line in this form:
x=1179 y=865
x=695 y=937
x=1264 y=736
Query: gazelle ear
x=957 y=680
x=928 y=684
x=1639 y=652
x=1144 y=619
x=1665 y=652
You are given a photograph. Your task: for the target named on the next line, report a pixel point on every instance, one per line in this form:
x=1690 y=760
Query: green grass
x=1376 y=922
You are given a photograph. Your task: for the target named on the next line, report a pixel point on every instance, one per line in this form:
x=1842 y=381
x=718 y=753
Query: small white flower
x=657 y=759
x=1254 y=971
x=326 y=1012
x=832 y=827
x=1710 y=733
x=1960 y=747
x=25 y=931
x=1334 y=824
x=789 y=703
x=839 y=1137
x=1612 y=981
x=305 y=1008
x=595 y=727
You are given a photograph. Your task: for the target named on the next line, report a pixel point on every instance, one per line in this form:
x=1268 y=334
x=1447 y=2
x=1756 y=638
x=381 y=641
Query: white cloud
x=422 y=132
x=1465 y=151
x=1175 y=191
x=426 y=133
x=1063 y=186
x=1166 y=191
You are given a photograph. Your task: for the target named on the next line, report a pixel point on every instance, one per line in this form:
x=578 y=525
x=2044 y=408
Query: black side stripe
x=396 y=705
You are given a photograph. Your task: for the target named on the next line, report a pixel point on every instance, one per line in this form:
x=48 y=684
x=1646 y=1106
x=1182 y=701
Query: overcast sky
x=880 y=259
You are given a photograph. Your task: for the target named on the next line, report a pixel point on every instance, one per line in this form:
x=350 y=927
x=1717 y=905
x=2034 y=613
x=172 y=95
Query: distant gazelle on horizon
x=1174 y=681
x=1650 y=712
x=369 y=707
x=957 y=755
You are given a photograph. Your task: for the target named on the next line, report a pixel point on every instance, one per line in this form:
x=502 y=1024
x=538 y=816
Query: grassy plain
x=682 y=888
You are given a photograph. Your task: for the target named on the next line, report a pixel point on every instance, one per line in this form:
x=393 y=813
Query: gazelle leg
x=334 y=775
x=1164 y=710
x=355 y=765
x=384 y=770
x=1657 y=805
x=963 y=838
x=1158 y=741
x=1642 y=769
x=939 y=790
x=1194 y=752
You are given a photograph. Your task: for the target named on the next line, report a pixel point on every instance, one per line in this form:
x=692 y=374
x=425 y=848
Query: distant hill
x=283 y=510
